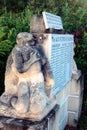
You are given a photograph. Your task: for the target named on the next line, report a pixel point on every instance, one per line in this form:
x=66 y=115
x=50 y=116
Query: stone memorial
x=41 y=79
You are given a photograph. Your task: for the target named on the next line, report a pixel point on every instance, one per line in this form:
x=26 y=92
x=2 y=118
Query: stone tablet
x=52 y=21
x=61 y=59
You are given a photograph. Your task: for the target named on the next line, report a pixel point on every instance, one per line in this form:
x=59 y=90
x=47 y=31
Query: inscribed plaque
x=61 y=60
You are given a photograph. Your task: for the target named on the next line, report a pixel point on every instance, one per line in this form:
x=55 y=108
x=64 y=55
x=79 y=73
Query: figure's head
x=25 y=38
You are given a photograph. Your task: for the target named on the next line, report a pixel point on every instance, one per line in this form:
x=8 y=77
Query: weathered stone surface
x=27 y=73
x=76 y=87
x=21 y=103
x=74 y=67
x=7 y=123
x=73 y=103
x=72 y=118
x=37 y=24
x=75 y=99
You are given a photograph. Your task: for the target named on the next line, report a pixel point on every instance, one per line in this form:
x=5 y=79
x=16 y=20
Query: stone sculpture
x=28 y=78
x=74 y=69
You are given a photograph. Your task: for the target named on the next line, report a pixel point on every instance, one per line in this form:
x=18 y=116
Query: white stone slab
x=61 y=60
x=52 y=21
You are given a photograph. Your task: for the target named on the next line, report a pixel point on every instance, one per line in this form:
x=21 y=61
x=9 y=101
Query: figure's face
x=25 y=39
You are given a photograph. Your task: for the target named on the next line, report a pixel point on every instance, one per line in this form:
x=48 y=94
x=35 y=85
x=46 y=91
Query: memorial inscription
x=52 y=21
x=61 y=60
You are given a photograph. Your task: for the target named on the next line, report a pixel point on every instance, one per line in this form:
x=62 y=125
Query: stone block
x=37 y=24
x=80 y=106
x=67 y=90
x=63 y=122
x=76 y=86
x=62 y=110
x=72 y=118
x=62 y=95
x=73 y=103
x=76 y=75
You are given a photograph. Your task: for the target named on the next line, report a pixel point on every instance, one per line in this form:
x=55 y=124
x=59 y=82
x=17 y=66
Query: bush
x=10 y=25
x=75 y=22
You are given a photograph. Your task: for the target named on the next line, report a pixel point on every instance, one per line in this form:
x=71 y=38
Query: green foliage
x=52 y=6
x=75 y=22
x=13 y=5
x=81 y=53
x=10 y=26
x=74 y=17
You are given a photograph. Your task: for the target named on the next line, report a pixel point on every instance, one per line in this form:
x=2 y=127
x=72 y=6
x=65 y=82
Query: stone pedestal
x=7 y=123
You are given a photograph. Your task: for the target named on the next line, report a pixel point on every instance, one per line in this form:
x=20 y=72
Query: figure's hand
x=34 y=56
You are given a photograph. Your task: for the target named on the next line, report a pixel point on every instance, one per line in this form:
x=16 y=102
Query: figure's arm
x=17 y=59
x=20 y=64
x=33 y=58
x=47 y=72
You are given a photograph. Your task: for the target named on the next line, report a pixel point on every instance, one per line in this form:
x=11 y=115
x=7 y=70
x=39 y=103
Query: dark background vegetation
x=15 y=18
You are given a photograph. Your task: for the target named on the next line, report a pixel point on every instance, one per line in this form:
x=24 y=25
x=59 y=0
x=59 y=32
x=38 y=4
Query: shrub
x=10 y=25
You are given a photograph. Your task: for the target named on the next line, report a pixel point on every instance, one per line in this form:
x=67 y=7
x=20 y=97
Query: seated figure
x=28 y=76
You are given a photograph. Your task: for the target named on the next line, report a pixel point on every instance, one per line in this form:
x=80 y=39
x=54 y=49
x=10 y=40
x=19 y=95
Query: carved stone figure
x=28 y=77
x=75 y=69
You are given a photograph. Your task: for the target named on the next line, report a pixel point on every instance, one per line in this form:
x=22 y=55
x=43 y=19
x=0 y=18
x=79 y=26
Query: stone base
x=21 y=124
x=10 y=112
